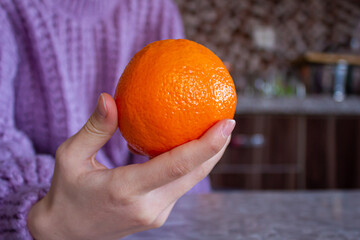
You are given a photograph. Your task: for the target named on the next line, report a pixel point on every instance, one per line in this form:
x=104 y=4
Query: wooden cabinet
x=333 y=156
x=287 y=151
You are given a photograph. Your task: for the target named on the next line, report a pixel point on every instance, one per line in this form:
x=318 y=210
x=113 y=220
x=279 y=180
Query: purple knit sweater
x=56 y=57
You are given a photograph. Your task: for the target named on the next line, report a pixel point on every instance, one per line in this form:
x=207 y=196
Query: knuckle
x=144 y=220
x=91 y=127
x=214 y=147
x=62 y=152
x=158 y=223
x=114 y=198
x=120 y=194
x=118 y=199
x=179 y=168
x=201 y=173
x=141 y=214
x=144 y=216
x=59 y=152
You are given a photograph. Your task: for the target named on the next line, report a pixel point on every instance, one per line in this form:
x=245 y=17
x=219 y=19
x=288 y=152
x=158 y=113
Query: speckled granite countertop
x=245 y=215
x=311 y=105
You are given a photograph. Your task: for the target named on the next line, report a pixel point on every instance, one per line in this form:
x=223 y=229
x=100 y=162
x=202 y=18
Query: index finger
x=181 y=160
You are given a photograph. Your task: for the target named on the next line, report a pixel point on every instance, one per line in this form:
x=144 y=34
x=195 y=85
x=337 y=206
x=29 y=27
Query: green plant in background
x=275 y=84
x=281 y=88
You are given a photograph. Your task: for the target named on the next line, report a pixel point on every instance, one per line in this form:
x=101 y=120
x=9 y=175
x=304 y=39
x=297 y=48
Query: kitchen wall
x=257 y=36
x=298 y=151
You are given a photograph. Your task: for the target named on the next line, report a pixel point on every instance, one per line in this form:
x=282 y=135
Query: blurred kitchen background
x=296 y=67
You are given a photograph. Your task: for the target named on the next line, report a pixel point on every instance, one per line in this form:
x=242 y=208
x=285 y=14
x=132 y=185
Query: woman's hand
x=88 y=201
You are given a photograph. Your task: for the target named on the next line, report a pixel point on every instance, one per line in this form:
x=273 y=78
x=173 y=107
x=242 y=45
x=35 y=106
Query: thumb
x=99 y=128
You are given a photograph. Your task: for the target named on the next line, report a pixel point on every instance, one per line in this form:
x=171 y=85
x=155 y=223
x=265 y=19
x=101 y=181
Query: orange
x=170 y=93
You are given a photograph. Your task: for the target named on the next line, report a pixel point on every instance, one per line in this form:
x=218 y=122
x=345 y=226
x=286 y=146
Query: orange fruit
x=170 y=93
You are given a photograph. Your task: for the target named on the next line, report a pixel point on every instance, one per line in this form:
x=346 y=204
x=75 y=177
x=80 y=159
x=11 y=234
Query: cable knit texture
x=56 y=57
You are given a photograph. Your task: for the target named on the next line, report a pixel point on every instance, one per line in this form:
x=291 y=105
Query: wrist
x=38 y=221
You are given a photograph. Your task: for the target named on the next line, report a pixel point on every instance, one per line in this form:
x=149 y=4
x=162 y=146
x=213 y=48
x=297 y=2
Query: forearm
x=40 y=224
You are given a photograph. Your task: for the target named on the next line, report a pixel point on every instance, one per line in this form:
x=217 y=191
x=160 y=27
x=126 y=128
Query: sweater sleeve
x=24 y=175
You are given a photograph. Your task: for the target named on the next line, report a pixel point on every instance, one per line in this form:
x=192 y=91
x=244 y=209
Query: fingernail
x=228 y=127
x=101 y=106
